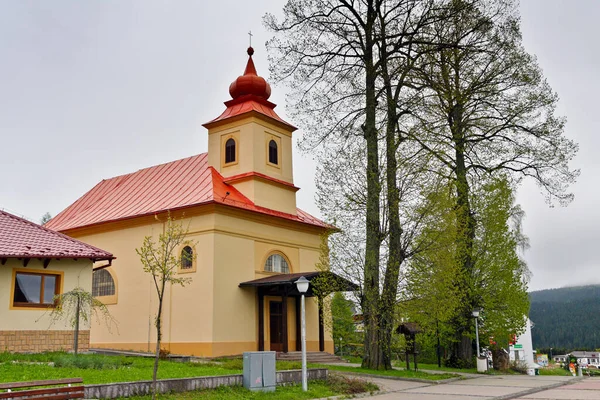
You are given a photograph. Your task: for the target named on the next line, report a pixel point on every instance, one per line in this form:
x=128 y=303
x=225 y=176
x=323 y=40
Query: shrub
x=350 y=386
x=163 y=354
x=518 y=366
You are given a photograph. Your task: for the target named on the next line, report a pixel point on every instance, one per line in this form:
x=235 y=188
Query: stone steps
x=314 y=357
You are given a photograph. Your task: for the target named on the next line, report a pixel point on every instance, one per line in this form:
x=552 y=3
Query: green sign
x=518 y=346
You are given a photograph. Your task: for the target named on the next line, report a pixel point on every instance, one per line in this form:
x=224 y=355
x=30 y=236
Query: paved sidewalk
x=481 y=387
x=588 y=389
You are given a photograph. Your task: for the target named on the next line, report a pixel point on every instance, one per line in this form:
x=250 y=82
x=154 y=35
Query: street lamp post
x=475 y=314
x=302 y=285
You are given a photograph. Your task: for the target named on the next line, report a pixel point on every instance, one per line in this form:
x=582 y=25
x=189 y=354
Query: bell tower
x=251 y=146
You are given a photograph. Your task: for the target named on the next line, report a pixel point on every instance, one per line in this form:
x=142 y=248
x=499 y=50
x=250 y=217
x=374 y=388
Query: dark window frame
x=273 y=152
x=41 y=304
x=230 y=151
x=187 y=262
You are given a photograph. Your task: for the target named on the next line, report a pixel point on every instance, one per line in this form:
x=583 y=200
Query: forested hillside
x=566 y=318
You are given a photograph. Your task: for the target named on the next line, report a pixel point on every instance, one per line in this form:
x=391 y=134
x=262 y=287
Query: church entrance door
x=276 y=325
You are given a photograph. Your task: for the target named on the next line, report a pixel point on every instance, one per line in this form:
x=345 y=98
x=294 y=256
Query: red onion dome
x=250 y=82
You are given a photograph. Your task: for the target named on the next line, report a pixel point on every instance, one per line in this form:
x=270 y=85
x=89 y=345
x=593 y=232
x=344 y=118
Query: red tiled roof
x=179 y=184
x=24 y=239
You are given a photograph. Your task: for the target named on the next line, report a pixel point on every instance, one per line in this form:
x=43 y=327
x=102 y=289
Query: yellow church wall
x=235 y=308
x=73 y=273
x=211 y=316
x=135 y=329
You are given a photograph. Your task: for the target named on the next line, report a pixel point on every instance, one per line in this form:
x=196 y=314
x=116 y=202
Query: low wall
x=42 y=340
x=127 y=389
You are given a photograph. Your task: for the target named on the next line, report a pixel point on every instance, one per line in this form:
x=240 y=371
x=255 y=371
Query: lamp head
x=302 y=284
x=476 y=312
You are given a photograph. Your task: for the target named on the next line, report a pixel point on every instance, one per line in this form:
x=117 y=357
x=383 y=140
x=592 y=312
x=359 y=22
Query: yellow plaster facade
x=211 y=316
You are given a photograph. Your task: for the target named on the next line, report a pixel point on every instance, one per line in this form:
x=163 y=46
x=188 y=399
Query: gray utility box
x=259 y=370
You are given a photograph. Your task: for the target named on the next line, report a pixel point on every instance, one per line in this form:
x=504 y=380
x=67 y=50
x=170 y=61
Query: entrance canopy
x=323 y=282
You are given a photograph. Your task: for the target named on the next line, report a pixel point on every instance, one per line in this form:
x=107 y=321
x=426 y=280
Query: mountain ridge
x=567 y=317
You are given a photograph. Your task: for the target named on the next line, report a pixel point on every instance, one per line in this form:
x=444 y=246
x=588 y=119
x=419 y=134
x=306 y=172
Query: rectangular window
x=35 y=290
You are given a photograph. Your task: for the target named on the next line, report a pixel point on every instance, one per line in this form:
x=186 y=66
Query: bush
x=518 y=366
x=454 y=362
x=350 y=386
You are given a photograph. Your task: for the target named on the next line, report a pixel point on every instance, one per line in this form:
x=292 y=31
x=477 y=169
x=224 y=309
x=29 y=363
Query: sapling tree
x=77 y=307
x=161 y=259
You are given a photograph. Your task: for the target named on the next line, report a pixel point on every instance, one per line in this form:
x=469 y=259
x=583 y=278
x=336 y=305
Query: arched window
x=277 y=263
x=103 y=283
x=230 y=151
x=273 y=152
x=187 y=258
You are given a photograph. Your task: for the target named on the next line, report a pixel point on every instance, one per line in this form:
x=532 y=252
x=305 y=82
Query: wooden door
x=276 y=325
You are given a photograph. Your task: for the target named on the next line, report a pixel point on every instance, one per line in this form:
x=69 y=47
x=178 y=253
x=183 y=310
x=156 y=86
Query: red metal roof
x=171 y=186
x=24 y=239
x=248 y=175
x=247 y=104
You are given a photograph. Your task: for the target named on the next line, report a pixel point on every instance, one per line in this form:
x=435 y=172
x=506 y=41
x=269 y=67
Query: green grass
x=353 y=359
x=316 y=389
x=394 y=372
x=434 y=367
x=101 y=369
x=554 y=372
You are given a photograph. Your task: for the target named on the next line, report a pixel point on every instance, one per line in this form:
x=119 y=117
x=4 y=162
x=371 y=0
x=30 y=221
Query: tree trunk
x=76 y=333
x=500 y=359
x=373 y=357
x=158 y=341
x=465 y=236
x=395 y=254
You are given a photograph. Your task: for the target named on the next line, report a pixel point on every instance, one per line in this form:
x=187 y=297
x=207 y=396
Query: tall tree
x=161 y=260
x=334 y=54
x=487 y=110
x=329 y=47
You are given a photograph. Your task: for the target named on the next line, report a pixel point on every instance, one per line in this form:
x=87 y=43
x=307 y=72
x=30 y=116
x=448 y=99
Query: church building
x=249 y=240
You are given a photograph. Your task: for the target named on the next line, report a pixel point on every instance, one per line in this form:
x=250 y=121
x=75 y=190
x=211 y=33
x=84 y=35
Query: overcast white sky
x=94 y=89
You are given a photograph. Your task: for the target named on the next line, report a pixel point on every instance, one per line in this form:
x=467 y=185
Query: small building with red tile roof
x=238 y=203
x=36 y=264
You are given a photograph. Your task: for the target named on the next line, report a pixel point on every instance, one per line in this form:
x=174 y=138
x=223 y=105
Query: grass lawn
x=316 y=389
x=394 y=372
x=101 y=369
x=434 y=367
x=554 y=372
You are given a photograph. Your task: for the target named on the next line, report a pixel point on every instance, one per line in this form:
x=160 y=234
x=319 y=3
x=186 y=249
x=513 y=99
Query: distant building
x=522 y=348
x=583 y=357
